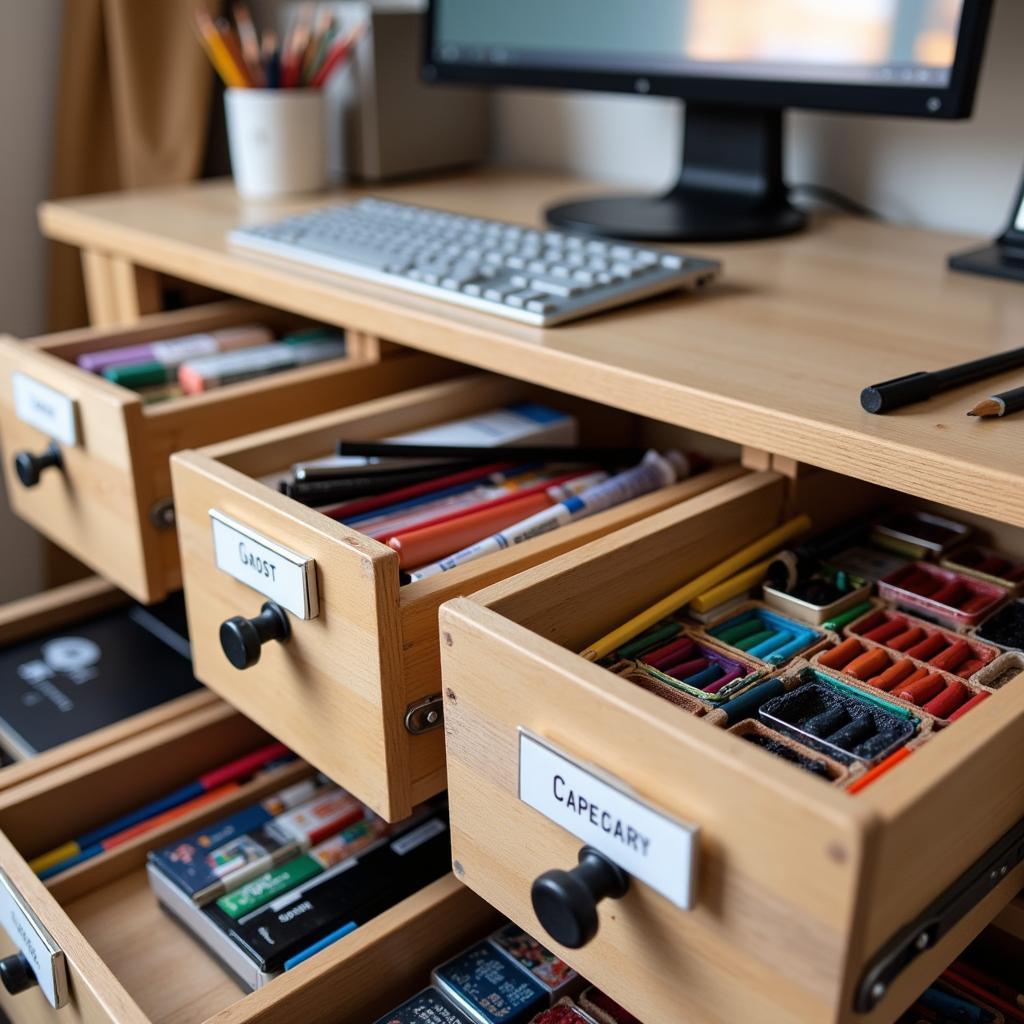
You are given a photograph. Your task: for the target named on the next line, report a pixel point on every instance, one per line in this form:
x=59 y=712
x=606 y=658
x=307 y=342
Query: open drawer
x=355 y=689
x=797 y=886
x=125 y=960
x=107 y=499
x=62 y=608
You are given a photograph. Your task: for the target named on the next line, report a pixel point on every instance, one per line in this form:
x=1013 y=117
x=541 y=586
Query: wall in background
x=29 y=45
x=956 y=175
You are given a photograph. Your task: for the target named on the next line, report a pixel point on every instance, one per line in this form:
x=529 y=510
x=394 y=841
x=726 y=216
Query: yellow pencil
x=674 y=601
x=218 y=53
x=732 y=587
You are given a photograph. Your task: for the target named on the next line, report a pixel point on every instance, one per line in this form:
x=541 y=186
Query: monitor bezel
x=956 y=99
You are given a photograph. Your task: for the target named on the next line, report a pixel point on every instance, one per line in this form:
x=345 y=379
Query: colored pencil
x=705 y=581
x=295 y=46
x=1003 y=404
x=241 y=767
x=271 y=56
x=218 y=53
x=732 y=587
x=250 y=44
x=319 y=46
x=338 y=54
x=234 y=49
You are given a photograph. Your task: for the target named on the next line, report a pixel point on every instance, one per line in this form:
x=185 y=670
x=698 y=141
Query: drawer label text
x=641 y=840
x=42 y=407
x=36 y=944
x=272 y=570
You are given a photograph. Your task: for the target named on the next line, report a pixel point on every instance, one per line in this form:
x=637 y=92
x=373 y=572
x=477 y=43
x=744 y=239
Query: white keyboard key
x=520 y=299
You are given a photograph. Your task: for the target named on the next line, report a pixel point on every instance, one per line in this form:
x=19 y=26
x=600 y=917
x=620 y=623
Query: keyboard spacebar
x=373 y=258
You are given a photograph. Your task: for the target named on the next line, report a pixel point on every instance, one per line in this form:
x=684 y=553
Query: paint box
x=555 y=975
x=761 y=634
x=941 y=595
x=426 y=1007
x=491 y=987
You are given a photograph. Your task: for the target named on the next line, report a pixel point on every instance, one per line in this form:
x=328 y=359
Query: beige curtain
x=133 y=110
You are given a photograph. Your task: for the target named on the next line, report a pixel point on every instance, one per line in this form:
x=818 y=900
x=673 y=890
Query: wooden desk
x=774 y=357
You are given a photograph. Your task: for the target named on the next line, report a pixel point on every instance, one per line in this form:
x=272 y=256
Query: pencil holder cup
x=277 y=142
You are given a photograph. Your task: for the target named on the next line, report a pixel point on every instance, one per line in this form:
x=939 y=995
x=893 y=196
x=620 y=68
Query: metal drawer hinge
x=940 y=917
x=425 y=715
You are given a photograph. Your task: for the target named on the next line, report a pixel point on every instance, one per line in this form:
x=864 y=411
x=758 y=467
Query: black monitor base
x=994 y=261
x=677 y=217
x=730 y=186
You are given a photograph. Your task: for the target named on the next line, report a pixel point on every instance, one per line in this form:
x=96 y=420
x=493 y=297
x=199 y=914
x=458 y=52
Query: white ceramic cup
x=277 y=141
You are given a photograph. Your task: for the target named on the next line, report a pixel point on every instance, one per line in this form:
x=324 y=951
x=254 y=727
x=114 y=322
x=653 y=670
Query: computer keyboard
x=534 y=276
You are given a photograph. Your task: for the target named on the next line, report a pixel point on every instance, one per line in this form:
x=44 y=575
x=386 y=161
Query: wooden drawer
x=127 y=961
x=798 y=884
x=63 y=607
x=340 y=689
x=109 y=502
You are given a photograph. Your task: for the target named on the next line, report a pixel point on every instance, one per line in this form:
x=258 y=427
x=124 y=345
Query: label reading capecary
x=47 y=410
x=641 y=840
x=26 y=931
x=274 y=571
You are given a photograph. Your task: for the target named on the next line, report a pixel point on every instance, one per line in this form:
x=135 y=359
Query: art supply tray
x=987 y=564
x=836 y=721
x=918 y=534
x=784 y=746
x=947 y=597
x=923 y=642
x=1004 y=629
x=777 y=637
x=814 y=614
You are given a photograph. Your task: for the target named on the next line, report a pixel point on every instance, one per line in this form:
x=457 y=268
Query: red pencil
x=337 y=55
x=175 y=812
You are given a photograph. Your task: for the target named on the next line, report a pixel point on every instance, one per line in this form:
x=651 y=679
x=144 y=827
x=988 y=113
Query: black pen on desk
x=920 y=386
x=999 y=405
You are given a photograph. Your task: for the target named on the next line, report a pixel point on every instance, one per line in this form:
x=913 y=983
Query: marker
x=214 y=371
x=654 y=471
x=172 y=352
x=233 y=771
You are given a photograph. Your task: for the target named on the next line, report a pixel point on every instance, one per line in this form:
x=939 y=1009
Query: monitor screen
x=858 y=42
x=917 y=57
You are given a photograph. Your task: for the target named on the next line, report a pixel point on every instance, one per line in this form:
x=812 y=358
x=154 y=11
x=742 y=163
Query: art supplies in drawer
x=344 y=869
x=937 y=693
x=989 y=565
x=920 y=535
x=760 y=735
x=840 y=721
x=449 y=494
x=1005 y=629
x=765 y=635
x=923 y=642
x=819 y=597
x=1004 y=669
x=943 y=596
x=194 y=363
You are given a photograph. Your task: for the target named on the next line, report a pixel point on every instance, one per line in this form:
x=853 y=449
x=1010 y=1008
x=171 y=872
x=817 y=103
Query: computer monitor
x=738 y=64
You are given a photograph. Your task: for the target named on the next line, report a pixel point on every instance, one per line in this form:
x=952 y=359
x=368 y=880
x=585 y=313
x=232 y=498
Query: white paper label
x=26 y=931
x=267 y=567
x=47 y=410
x=642 y=841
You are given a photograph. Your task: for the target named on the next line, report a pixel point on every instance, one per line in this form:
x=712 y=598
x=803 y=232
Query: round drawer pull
x=16 y=973
x=565 y=902
x=29 y=467
x=242 y=638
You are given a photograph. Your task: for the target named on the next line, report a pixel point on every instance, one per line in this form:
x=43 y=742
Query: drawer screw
x=30 y=467
x=877 y=990
x=922 y=941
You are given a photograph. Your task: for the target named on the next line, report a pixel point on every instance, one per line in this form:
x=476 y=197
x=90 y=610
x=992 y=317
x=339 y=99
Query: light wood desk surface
x=773 y=357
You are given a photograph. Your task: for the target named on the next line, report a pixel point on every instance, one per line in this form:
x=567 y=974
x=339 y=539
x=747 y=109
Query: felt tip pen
x=223 y=368
x=172 y=352
x=240 y=768
x=653 y=472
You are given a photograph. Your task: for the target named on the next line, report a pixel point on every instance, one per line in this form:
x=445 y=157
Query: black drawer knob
x=565 y=902
x=242 y=638
x=29 y=467
x=16 y=973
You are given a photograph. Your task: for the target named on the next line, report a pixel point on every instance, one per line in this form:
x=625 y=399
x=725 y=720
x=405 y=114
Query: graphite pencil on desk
x=1002 y=404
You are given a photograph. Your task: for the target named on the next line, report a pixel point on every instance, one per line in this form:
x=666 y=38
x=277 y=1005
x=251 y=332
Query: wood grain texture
x=773 y=357
x=373 y=649
x=98 y=507
x=780 y=866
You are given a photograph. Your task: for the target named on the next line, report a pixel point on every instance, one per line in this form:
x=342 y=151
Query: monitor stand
x=730 y=186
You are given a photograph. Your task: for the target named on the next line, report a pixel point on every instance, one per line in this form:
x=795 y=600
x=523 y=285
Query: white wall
x=956 y=175
x=29 y=44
